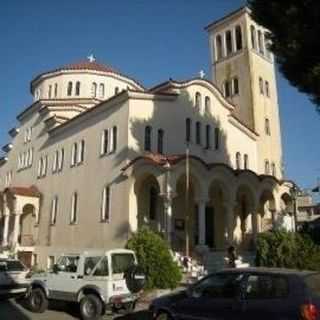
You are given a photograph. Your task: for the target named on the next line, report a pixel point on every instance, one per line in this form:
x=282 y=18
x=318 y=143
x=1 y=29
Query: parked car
x=14 y=278
x=96 y=280
x=250 y=293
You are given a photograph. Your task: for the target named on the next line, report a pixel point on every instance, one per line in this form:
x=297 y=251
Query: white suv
x=14 y=278
x=96 y=280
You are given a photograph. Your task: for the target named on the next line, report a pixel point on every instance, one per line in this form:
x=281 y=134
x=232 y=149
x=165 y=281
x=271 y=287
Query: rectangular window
x=54 y=209
x=208 y=136
x=74 y=209
x=188 y=130
x=81 y=151
x=61 y=159
x=198 y=132
x=104 y=142
x=114 y=139
x=216 y=138
x=106 y=204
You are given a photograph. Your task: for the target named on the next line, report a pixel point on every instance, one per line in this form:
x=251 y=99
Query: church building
x=96 y=156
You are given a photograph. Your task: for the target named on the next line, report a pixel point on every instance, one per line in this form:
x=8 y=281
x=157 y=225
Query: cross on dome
x=202 y=74
x=91 y=58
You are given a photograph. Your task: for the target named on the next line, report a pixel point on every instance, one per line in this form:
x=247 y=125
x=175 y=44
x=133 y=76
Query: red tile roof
x=24 y=191
x=86 y=65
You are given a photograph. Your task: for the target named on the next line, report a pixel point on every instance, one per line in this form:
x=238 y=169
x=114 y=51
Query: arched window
x=253 y=37
x=226 y=89
x=260 y=42
x=267 y=45
x=116 y=90
x=198 y=100
x=101 y=90
x=228 y=36
x=78 y=88
x=266 y=167
x=198 y=132
x=55 y=162
x=208 y=136
x=219 y=53
x=61 y=159
x=238 y=38
x=238 y=161
x=44 y=166
x=50 y=91
x=147 y=138
x=207 y=105
x=94 y=90
x=245 y=162
x=55 y=90
x=104 y=142
x=160 y=141
x=267 y=127
x=81 y=151
x=261 y=85
x=188 y=130
x=273 y=169
x=74 y=209
x=267 y=88
x=106 y=204
x=40 y=163
x=235 y=86
x=114 y=139
x=153 y=199
x=74 y=154
x=216 y=138
x=54 y=210
x=69 y=91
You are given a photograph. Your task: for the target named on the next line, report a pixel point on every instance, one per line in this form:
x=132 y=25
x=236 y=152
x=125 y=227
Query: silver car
x=14 y=278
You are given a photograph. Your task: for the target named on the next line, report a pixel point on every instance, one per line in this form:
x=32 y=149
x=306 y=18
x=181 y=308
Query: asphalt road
x=11 y=310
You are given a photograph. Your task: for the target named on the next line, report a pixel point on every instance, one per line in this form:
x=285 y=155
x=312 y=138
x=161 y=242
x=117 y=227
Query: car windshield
x=313 y=283
x=122 y=261
x=11 y=265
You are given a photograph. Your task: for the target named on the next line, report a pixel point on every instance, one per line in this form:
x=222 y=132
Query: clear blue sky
x=147 y=39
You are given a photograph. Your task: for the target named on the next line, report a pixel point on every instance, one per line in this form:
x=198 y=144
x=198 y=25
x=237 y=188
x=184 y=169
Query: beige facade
x=96 y=156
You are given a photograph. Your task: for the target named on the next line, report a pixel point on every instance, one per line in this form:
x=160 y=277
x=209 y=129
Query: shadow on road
x=139 y=315
x=8 y=311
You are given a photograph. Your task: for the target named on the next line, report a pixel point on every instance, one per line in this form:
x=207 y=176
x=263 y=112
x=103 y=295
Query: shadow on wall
x=171 y=117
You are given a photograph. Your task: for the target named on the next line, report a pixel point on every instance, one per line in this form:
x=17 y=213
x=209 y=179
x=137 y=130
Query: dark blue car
x=251 y=293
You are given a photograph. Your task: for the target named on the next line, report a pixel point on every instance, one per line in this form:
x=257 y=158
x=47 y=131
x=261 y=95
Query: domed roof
x=90 y=64
x=86 y=65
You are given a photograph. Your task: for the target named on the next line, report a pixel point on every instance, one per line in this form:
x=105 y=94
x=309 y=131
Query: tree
x=294 y=33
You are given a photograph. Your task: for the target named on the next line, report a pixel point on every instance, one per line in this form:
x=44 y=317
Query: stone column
x=16 y=229
x=230 y=208
x=202 y=221
x=5 y=231
x=168 y=216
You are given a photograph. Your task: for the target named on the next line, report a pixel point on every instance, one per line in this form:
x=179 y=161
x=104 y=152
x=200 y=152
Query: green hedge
x=284 y=249
x=154 y=257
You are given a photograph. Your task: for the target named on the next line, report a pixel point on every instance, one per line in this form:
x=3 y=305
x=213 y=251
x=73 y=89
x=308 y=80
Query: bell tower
x=243 y=69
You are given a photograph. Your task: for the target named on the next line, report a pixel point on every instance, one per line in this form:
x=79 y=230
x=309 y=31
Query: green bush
x=154 y=257
x=284 y=249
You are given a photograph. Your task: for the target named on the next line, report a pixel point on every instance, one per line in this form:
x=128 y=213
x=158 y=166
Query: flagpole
x=187 y=202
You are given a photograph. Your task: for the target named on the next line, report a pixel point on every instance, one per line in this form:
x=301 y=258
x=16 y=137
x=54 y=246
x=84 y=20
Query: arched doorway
x=244 y=218
x=149 y=203
x=216 y=216
x=185 y=204
x=267 y=211
x=27 y=222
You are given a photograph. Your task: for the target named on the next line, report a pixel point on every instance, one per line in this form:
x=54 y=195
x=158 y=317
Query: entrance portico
x=225 y=206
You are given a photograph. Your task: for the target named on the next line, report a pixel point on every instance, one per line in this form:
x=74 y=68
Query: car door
x=215 y=297
x=65 y=284
x=266 y=297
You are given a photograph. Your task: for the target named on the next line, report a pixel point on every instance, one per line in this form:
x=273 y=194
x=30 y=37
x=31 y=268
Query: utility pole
x=187 y=249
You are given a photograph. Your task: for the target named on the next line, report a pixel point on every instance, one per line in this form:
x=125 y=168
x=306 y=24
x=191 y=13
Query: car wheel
x=37 y=301
x=163 y=316
x=91 y=307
